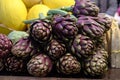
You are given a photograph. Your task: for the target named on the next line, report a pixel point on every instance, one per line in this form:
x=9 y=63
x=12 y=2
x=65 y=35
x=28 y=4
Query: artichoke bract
x=41 y=30
x=96 y=65
x=23 y=48
x=14 y=64
x=85 y=7
x=82 y=46
x=5 y=45
x=68 y=65
x=64 y=27
x=39 y=65
x=104 y=20
x=56 y=49
x=14 y=36
x=88 y=26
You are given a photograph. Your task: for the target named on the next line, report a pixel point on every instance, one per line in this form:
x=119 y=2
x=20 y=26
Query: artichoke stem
x=57 y=11
x=73 y=17
x=68 y=9
x=30 y=21
x=41 y=16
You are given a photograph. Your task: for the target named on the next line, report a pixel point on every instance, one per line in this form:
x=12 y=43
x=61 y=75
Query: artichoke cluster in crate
x=69 y=41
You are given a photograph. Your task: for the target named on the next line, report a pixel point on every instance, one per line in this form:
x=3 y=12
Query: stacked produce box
x=68 y=41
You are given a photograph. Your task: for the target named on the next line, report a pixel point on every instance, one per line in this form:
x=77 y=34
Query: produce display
x=65 y=40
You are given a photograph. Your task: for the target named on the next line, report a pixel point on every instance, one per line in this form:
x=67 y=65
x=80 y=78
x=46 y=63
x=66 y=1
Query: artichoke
x=14 y=36
x=82 y=46
x=14 y=64
x=5 y=45
x=39 y=65
x=56 y=49
x=40 y=31
x=85 y=7
x=68 y=65
x=64 y=27
x=96 y=65
x=23 y=48
x=100 y=50
x=88 y=26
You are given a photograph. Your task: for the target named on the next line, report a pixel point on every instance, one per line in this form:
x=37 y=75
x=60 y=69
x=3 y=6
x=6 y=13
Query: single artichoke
x=14 y=36
x=64 y=27
x=88 y=26
x=85 y=7
x=23 y=48
x=14 y=64
x=55 y=49
x=82 y=46
x=68 y=65
x=40 y=31
x=100 y=50
x=96 y=65
x=5 y=45
x=39 y=65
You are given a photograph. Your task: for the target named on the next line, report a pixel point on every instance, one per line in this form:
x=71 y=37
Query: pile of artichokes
x=67 y=42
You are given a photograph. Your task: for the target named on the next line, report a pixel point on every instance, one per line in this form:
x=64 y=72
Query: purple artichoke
x=88 y=26
x=105 y=21
x=5 y=45
x=56 y=49
x=39 y=65
x=40 y=31
x=82 y=46
x=68 y=65
x=96 y=65
x=85 y=7
x=14 y=64
x=23 y=48
x=64 y=27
